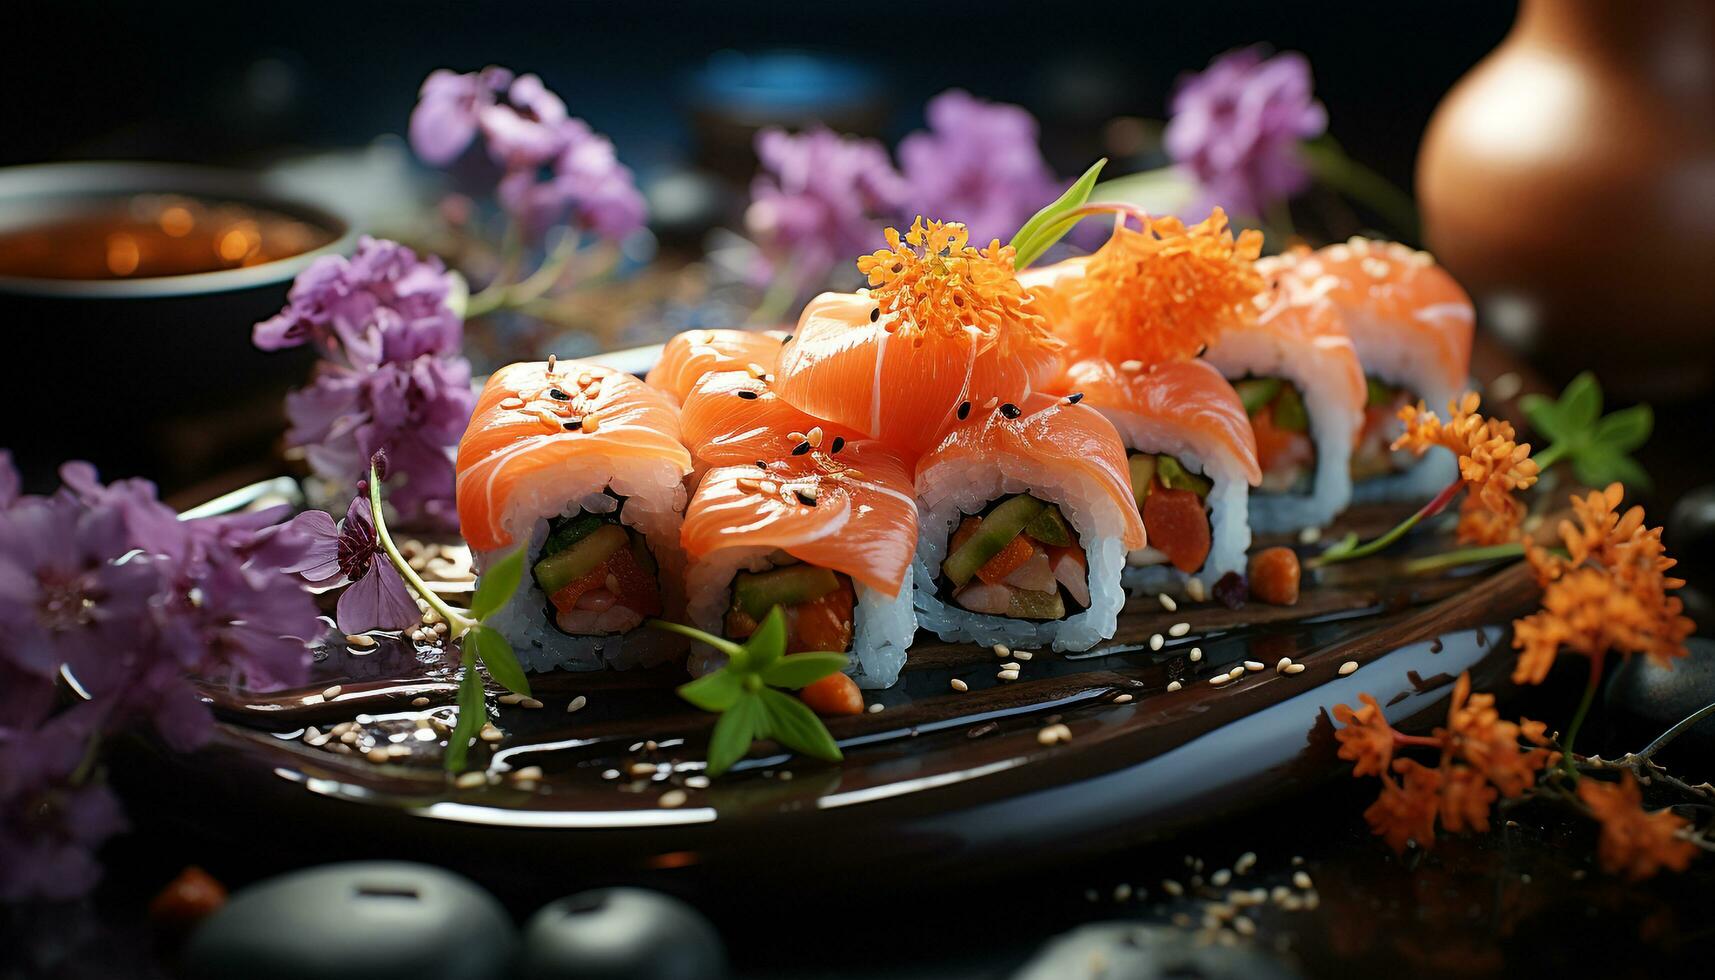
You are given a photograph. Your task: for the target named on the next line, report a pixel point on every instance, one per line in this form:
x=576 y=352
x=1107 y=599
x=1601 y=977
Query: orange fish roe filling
x=937 y=283
x=1161 y=294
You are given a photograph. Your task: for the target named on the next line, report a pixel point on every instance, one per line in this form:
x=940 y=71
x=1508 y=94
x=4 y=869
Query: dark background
x=240 y=82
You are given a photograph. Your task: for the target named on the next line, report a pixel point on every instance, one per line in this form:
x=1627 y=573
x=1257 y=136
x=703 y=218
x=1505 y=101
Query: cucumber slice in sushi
x=556 y=571
x=996 y=531
x=757 y=592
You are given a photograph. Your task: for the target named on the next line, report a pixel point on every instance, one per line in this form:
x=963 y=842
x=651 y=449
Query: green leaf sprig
x=1051 y=224
x=478 y=642
x=1597 y=446
x=744 y=693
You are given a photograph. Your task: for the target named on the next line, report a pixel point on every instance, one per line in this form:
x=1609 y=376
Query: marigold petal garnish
x=932 y=281
x=1492 y=463
x=1405 y=811
x=1635 y=842
x=1162 y=293
x=1366 y=739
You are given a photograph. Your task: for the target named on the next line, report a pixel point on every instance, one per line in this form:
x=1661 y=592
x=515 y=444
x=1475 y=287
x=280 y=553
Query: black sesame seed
x=1074 y=398
x=747 y=394
x=570 y=424
x=805 y=498
x=559 y=395
x=762 y=464
x=875 y=314
x=1010 y=410
x=788 y=340
x=964 y=411
x=800 y=449
x=839 y=444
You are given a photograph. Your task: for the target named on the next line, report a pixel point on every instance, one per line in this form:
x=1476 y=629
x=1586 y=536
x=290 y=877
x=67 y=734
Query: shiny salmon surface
x=1190 y=397
x=690 y=355
x=735 y=417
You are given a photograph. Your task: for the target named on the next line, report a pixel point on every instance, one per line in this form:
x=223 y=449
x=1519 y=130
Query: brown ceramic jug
x=1569 y=182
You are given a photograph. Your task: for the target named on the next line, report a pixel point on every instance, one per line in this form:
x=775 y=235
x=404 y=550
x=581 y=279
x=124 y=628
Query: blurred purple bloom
x=585 y=180
x=9 y=481
x=49 y=826
x=376 y=597
x=528 y=130
x=382 y=304
x=1237 y=127
x=978 y=163
x=821 y=199
x=449 y=109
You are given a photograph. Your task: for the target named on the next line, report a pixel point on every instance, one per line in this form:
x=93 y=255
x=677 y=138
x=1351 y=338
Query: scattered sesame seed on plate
x=1023 y=654
x=1122 y=699
x=1011 y=665
x=360 y=639
x=1007 y=675
x=1178 y=629
x=1174 y=685
x=331 y=693
x=1220 y=878
x=1167 y=602
x=470 y=780
x=530 y=703
x=1301 y=880
x=1000 y=650
x=1285 y=662
x=510 y=698
x=1172 y=887
x=697 y=782
x=673 y=798
x=958 y=685
x=577 y=703
x=1195 y=590
x=1348 y=667
x=1310 y=535
x=1253 y=665
x=376 y=755
x=1294 y=668
x=1196 y=654
x=1220 y=679
x=1157 y=641
x=876 y=707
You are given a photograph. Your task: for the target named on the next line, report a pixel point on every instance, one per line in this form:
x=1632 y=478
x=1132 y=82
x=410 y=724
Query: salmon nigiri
x=826 y=535
x=736 y=417
x=1027 y=514
x=582 y=466
x=941 y=323
x=690 y=355
x=1411 y=325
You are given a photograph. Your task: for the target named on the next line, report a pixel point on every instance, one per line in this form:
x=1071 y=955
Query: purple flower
x=382 y=304
x=376 y=596
x=449 y=108
x=585 y=180
x=50 y=824
x=821 y=198
x=529 y=130
x=1237 y=127
x=978 y=163
x=9 y=481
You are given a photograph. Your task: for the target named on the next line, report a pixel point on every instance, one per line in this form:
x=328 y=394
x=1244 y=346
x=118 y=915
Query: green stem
x=1548 y=457
x=777 y=299
x=91 y=757
x=1464 y=556
x=1330 y=162
x=491 y=297
x=1435 y=506
x=1679 y=728
x=728 y=647
x=457 y=623
x=1578 y=718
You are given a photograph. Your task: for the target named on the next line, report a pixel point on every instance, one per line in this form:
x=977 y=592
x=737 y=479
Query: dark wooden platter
x=938 y=780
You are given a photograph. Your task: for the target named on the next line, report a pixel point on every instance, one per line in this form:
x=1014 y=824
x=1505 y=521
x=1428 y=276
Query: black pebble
x=621 y=932
x=1010 y=410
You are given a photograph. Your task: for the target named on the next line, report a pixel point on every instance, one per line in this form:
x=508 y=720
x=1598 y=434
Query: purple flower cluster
x=1237 y=127
x=554 y=165
x=106 y=583
x=391 y=378
x=350 y=554
x=978 y=163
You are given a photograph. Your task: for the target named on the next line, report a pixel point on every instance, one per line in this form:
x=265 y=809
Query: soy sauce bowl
x=148 y=374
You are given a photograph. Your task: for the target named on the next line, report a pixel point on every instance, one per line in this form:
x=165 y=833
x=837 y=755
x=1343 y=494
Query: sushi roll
x=1026 y=516
x=690 y=355
x=736 y=417
x=1192 y=461
x=1135 y=314
x=582 y=466
x=1298 y=376
x=939 y=320
x=1411 y=325
x=827 y=535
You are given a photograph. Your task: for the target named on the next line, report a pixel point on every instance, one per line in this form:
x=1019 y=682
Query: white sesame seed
x=1220 y=679
x=1285 y=662
x=1294 y=668
x=1053 y=734
x=510 y=698
x=1172 y=887
x=419 y=702
x=1279 y=893
x=877 y=708
x=1174 y=685
x=577 y=703
x=530 y=703
x=991 y=403
x=1167 y=602
x=697 y=782
x=1236 y=673
x=1220 y=878
x=1122 y=699
x=470 y=780
x=1157 y=641
x=511 y=403
x=1178 y=629
x=1122 y=892
x=1310 y=535
x=1022 y=655
x=1011 y=665
x=1301 y=880
x=1348 y=667
x=490 y=733
x=1246 y=861
x=591 y=422
x=1131 y=366
x=958 y=685
x=814 y=437
x=360 y=639
x=641 y=769
x=1195 y=590
x=1196 y=654
x=1000 y=650
x=1253 y=665
x=1007 y=675
x=673 y=798
x=1244 y=926
x=610 y=774
x=331 y=693
x=1297 y=860
x=376 y=755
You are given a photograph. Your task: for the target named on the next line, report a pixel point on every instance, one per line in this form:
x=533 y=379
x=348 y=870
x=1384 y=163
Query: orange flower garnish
x=1493 y=464
x=1161 y=294
x=1366 y=739
x=1610 y=593
x=1406 y=810
x=1477 y=736
x=938 y=284
x=1635 y=842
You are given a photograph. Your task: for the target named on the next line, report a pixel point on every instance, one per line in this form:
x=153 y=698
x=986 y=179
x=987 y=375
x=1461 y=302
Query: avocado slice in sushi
x=568 y=531
x=1256 y=393
x=1142 y=476
x=757 y=592
x=556 y=571
x=1029 y=604
x=1050 y=528
x=1289 y=413
x=1174 y=476
x=997 y=530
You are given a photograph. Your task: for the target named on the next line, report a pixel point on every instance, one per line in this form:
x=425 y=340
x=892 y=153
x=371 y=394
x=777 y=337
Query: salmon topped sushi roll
x=736 y=417
x=1412 y=325
x=1135 y=315
x=827 y=535
x=582 y=466
x=690 y=355
x=941 y=323
x=1026 y=515
x=1298 y=375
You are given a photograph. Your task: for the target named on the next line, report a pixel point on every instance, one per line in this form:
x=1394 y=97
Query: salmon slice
x=1170 y=407
x=533 y=420
x=694 y=353
x=850 y=511
x=1392 y=296
x=734 y=417
x=1052 y=432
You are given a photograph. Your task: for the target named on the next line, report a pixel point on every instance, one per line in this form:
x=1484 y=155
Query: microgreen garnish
x=1051 y=224
x=1598 y=446
x=479 y=643
x=744 y=693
